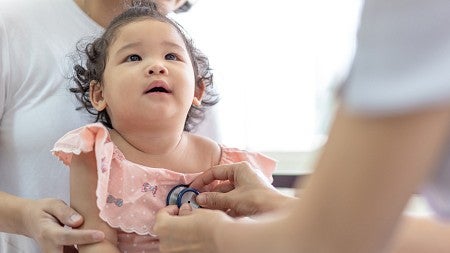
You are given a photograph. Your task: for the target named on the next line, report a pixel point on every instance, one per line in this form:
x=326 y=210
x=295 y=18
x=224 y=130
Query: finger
x=219 y=172
x=213 y=200
x=203 y=180
x=63 y=213
x=171 y=210
x=224 y=187
x=67 y=236
x=185 y=209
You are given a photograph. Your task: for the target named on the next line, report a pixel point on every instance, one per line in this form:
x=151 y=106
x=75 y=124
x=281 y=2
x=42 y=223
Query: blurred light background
x=276 y=65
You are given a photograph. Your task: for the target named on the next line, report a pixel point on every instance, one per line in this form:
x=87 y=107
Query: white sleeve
x=402 y=60
x=4 y=66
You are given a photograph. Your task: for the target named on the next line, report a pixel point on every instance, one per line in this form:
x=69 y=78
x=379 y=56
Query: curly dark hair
x=94 y=56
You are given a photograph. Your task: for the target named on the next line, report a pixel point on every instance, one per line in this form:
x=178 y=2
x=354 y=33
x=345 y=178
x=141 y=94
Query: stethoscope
x=181 y=194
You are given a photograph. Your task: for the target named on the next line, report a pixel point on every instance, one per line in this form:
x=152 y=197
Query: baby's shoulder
x=205 y=147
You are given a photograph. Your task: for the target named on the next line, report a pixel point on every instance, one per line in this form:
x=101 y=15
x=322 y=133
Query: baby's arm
x=83 y=184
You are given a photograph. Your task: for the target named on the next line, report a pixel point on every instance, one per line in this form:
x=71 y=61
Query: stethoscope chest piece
x=181 y=194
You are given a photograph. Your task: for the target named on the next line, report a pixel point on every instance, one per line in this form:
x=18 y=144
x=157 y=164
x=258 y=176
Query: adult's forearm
x=421 y=234
x=255 y=235
x=11 y=213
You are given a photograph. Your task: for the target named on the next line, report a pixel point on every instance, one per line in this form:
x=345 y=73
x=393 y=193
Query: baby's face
x=148 y=75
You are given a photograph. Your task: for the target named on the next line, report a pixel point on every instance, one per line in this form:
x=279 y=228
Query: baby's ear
x=96 y=95
x=199 y=92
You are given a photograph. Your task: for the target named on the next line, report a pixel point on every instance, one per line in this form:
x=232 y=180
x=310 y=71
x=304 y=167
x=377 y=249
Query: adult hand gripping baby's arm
x=244 y=191
x=43 y=220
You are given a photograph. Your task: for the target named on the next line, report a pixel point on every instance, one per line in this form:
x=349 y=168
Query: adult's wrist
x=275 y=200
x=23 y=216
x=12 y=214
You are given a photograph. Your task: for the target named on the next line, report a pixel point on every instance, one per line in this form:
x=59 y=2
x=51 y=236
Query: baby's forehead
x=150 y=31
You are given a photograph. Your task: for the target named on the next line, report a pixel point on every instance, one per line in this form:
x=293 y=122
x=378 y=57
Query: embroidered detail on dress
x=111 y=199
x=103 y=165
x=146 y=187
x=117 y=154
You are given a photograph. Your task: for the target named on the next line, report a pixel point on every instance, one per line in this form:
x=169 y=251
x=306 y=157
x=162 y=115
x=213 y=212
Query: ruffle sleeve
x=80 y=140
x=257 y=160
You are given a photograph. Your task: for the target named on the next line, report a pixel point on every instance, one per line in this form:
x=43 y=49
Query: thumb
x=170 y=210
x=214 y=200
x=185 y=209
x=65 y=214
x=162 y=216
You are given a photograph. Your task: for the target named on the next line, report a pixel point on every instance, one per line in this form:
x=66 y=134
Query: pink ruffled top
x=129 y=194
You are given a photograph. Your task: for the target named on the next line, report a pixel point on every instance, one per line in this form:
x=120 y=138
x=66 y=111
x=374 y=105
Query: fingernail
x=75 y=218
x=98 y=236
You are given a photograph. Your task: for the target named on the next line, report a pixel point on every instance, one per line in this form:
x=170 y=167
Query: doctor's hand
x=185 y=230
x=43 y=220
x=244 y=191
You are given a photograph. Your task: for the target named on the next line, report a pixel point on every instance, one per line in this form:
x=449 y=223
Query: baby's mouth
x=158 y=86
x=157 y=89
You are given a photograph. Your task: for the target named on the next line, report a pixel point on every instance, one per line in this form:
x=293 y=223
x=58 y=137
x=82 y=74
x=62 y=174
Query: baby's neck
x=169 y=148
x=152 y=149
x=149 y=143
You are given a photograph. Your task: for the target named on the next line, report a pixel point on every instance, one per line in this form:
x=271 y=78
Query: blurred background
x=276 y=65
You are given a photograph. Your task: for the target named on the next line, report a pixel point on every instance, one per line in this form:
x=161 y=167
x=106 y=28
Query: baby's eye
x=134 y=57
x=171 y=57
